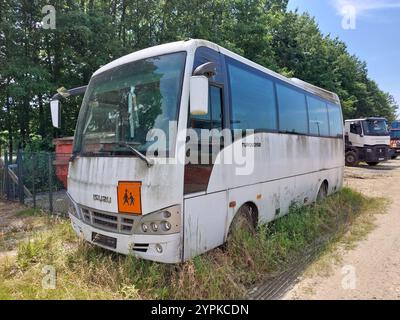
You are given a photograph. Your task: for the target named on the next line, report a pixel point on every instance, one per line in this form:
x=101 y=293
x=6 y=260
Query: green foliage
x=34 y=62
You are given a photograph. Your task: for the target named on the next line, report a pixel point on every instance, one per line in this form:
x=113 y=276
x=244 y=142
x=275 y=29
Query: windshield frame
x=78 y=137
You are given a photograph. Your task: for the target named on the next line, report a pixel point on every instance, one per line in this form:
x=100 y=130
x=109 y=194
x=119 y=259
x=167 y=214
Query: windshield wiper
x=149 y=162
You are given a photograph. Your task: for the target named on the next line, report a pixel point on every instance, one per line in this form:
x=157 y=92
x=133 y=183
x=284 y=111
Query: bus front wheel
x=245 y=219
x=323 y=191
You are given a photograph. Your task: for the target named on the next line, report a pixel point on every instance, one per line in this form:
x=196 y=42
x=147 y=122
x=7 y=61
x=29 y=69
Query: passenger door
x=205 y=214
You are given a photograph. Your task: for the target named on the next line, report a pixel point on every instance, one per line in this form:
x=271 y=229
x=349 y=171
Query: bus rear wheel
x=372 y=164
x=351 y=159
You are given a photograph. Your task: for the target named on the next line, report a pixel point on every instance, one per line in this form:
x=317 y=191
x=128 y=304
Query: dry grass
x=88 y=272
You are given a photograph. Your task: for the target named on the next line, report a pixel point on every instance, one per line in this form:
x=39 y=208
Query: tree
x=34 y=61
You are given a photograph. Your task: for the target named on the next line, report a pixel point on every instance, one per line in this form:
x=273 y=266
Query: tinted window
x=353 y=128
x=216 y=107
x=253 y=100
x=213 y=119
x=335 y=120
x=318 y=117
x=292 y=110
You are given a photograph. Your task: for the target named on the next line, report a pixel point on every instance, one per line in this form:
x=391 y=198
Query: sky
x=371 y=30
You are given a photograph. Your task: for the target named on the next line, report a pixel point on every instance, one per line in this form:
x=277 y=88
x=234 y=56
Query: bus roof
x=192 y=44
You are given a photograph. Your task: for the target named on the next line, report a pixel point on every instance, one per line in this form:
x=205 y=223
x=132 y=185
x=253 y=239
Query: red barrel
x=63 y=154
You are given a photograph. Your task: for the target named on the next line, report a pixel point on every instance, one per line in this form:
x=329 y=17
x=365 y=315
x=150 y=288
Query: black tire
x=351 y=159
x=245 y=218
x=394 y=157
x=323 y=191
x=372 y=164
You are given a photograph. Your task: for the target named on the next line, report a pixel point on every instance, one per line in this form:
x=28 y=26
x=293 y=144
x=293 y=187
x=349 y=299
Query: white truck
x=368 y=140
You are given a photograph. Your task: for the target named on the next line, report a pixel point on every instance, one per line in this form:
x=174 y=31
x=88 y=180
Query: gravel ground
x=372 y=269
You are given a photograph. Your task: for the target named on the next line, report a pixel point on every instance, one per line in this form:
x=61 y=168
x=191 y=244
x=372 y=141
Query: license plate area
x=103 y=240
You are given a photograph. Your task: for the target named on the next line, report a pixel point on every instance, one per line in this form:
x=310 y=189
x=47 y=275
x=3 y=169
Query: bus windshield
x=375 y=127
x=123 y=104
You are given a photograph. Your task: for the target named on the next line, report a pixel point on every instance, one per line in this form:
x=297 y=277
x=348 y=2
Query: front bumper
x=377 y=153
x=142 y=246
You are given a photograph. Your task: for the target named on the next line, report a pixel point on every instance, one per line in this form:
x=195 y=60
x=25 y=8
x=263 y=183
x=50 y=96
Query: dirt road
x=372 y=269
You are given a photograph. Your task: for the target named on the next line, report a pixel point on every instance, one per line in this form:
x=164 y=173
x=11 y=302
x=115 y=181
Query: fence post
x=6 y=176
x=20 y=177
x=33 y=160
x=50 y=183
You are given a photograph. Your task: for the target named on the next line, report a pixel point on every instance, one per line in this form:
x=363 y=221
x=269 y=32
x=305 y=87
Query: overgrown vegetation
x=85 y=271
x=34 y=62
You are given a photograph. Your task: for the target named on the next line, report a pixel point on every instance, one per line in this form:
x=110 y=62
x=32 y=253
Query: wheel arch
x=255 y=212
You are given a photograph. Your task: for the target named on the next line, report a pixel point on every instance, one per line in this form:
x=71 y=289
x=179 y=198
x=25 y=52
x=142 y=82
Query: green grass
x=88 y=272
x=30 y=212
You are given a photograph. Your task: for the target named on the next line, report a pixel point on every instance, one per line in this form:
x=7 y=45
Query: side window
x=292 y=110
x=318 y=117
x=353 y=128
x=216 y=107
x=335 y=120
x=213 y=119
x=253 y=100
x=356 y=128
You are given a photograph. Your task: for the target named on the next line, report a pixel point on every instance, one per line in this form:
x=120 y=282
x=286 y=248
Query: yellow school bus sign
x=129 y=197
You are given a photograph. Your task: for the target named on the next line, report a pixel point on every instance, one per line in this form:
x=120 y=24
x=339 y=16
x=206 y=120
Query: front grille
x=104 y=240
x=108 y=221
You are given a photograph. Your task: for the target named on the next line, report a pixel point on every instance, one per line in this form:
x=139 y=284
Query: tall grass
x=88 y=272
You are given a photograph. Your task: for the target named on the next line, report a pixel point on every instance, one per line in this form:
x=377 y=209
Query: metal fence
x=37 y=179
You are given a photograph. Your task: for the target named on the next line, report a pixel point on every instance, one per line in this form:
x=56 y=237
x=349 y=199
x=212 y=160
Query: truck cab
x=368 y=140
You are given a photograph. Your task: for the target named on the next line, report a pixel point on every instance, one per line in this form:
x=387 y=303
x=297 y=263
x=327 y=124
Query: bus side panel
x=273 y=199
x=205 y=219
x=279 y=156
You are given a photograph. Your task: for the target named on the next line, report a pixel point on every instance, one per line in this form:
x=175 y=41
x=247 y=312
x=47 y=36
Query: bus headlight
x=165 y=225
x=144 y=227
x=166 y=221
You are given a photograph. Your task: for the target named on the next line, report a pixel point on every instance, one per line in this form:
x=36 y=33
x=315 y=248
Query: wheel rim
x=350 y=158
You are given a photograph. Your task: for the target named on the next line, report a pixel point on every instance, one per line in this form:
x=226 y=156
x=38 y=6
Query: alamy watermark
x=204 y=147
x=349 y=280
x=349 y=17
x=49 y=20
x=49 y=281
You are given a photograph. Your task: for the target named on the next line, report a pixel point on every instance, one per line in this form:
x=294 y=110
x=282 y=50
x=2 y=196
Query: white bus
x=127 y=198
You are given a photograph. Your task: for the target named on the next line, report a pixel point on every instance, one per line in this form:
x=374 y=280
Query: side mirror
x=198 y=95
x=55 y=107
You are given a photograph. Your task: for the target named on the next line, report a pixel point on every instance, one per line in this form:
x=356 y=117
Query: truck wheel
x=351 y=159
x=372 y=164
